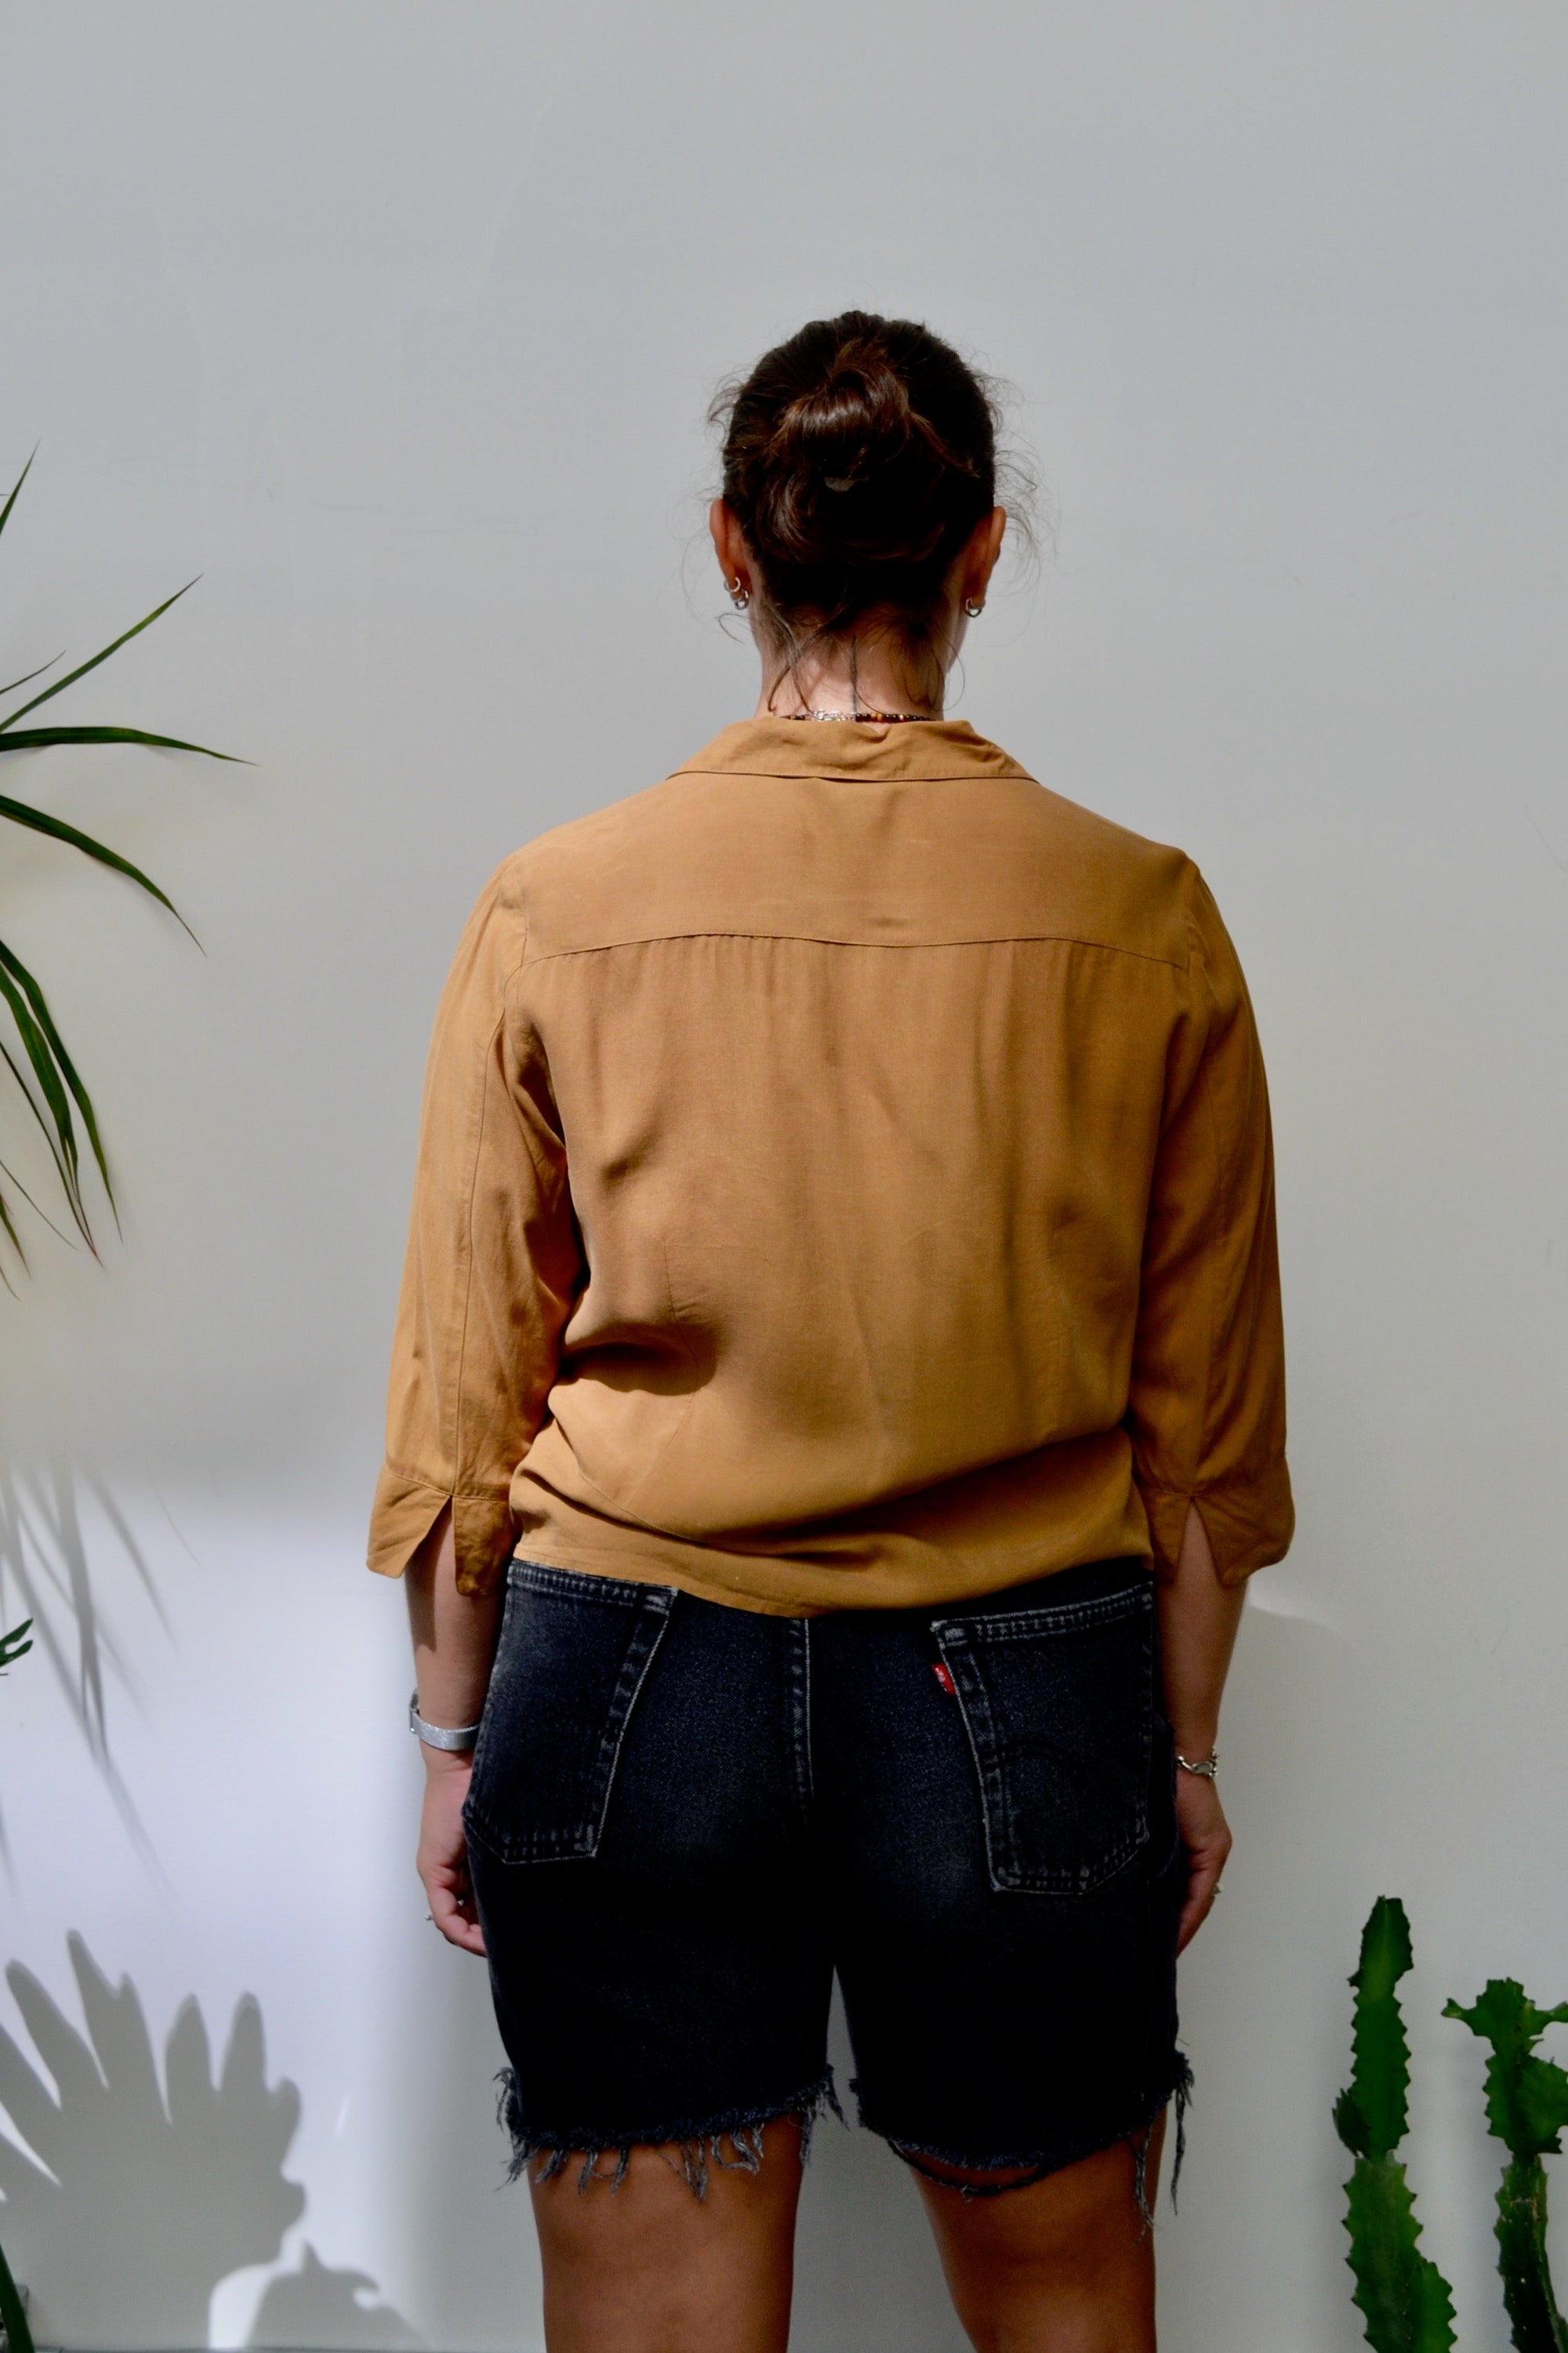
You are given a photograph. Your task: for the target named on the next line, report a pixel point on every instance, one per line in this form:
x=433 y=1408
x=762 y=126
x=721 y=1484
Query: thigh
x=1005 y=1869
x=653 y=2266
x=1061 y=2264
x=636 y=1834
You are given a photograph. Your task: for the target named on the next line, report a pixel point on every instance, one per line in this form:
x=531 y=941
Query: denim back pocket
x=1059 y=1704
x=573 y=1653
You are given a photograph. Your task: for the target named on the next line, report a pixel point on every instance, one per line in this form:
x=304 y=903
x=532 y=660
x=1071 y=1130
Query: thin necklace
x=868 y=718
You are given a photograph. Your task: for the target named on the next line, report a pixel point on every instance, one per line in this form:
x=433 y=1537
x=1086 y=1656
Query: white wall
x=397 y=321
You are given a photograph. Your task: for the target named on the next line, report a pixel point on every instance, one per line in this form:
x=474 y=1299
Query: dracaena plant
x=36 y=1055
x=36 y=1060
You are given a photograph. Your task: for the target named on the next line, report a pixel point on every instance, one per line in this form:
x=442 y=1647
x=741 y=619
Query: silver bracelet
x=1205 y=1767
x=434 y=1736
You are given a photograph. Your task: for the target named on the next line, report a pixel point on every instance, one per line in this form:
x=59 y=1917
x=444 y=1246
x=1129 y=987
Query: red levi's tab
x=939 y=1670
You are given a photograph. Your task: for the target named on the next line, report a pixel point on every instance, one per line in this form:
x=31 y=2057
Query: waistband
x=1091 y=1580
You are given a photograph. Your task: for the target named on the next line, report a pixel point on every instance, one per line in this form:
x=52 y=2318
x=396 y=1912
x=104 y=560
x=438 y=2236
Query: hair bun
x=857 y=458
x=851 y=471
x=859 y=416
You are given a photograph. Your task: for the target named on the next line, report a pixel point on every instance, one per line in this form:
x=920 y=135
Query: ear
x=729 y=546
x=978 y=561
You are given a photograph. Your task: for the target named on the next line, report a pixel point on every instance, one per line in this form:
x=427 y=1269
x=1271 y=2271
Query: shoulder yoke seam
x=826 y=940
x=1010 y=775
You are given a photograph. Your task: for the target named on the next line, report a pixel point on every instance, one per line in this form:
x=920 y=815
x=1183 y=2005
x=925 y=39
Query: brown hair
x=858 y=457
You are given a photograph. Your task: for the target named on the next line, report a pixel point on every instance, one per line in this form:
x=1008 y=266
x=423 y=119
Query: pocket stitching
x=1052 y=1619
x=585 y=1585
x=980 y=1729
x=987 y=1767
x=580 y=1841
x=615 y=1727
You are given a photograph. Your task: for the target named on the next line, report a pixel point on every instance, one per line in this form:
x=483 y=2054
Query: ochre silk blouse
x=845 y=1182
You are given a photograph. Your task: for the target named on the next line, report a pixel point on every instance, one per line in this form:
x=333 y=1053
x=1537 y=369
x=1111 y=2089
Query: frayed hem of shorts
x=1036 y=2165
x=732 y=2142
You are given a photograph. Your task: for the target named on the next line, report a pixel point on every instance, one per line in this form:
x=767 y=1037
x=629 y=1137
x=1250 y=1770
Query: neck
x=865 y=675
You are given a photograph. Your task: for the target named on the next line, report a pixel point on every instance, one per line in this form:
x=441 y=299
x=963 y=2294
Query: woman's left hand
x=1205 y=1837
x=442 y=1861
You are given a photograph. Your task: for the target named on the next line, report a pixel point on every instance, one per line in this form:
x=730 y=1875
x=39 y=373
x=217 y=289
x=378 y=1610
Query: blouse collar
x=920 y=750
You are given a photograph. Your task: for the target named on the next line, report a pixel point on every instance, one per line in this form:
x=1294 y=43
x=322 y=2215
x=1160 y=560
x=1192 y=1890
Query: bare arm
x=1198 y=1622
x=454 y=1643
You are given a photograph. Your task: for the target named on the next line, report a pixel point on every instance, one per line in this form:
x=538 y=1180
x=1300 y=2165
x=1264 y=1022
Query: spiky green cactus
x=1527 y=2108
x=12 y=2313
x=1403 y=2298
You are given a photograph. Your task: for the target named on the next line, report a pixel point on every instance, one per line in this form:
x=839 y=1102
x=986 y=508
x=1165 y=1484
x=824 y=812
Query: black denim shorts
x=684 y=1818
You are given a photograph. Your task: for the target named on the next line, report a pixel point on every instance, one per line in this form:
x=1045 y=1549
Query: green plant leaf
x=54 y=1086
x=63 y=1063
x=1370 y=2117
x=16 y=487
x=15 y=1242
x=39 y=739
x=29 y=675
x=12 y=1178
x=14 y=1645
x=82 y=668
x=1403 y=2298
x=62 y=1169
x=36 y=1045
x=39 y=821
x=59 y=1085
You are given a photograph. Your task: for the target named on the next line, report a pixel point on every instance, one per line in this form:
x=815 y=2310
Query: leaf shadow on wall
x=142 y=2193
x=46 y=1574
x=321 y=2308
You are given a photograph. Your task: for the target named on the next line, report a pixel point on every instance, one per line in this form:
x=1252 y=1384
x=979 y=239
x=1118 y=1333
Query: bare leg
x=648 y=2267
x=1063 y=2266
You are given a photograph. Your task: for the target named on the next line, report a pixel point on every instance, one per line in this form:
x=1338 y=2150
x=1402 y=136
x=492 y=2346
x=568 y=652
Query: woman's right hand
x=1206 y=1842
x=442 y=1860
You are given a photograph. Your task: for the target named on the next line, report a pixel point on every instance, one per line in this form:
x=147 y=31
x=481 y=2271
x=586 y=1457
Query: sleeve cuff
x=405 y=1510
x=1248 y=1527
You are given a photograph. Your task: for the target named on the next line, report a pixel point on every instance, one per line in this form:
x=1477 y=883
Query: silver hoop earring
x=972 y=608
x=739 y=594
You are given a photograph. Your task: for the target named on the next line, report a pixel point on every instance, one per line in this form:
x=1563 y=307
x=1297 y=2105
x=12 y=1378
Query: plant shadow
x=130 y=2193
x=47 y=1565
x=321 y=2308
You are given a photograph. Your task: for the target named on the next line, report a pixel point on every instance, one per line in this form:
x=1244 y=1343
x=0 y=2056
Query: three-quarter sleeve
x=492 y=1265
x=1206 y=1406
